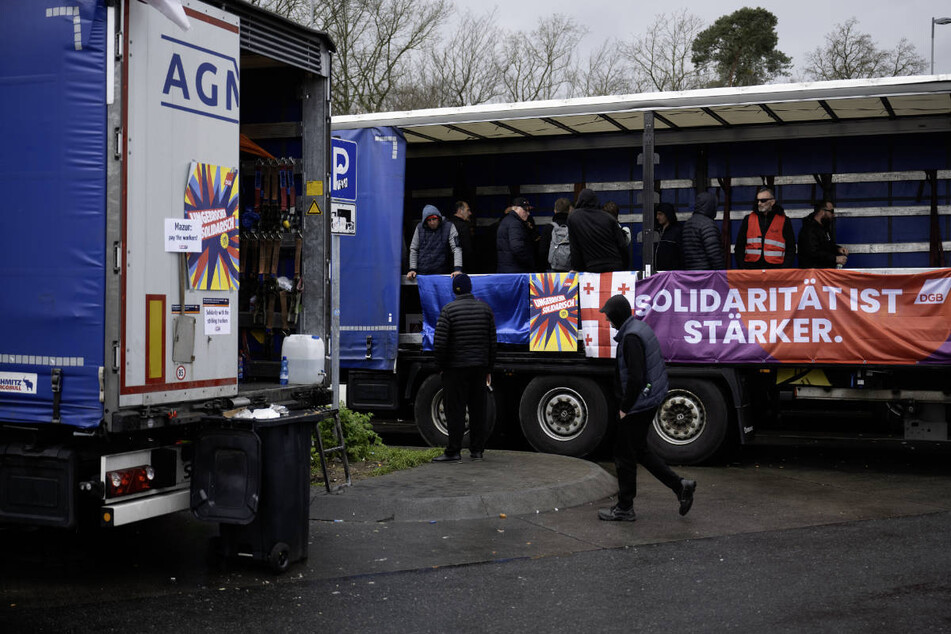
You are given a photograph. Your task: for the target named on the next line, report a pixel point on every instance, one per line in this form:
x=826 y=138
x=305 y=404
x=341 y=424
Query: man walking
x=641 y=385
x=766 y=239
x=464 y=347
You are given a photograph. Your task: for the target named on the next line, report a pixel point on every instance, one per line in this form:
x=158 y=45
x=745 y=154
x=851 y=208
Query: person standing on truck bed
x=597 y=243
x=612 y=208
x=816 y=248
x=464 y=347
x=555 y=250
x=766 y=239
x=668 y=255
x=700 y=236
x=435 y=246
x=515 y=241
x=462 y=221
x=641 y=386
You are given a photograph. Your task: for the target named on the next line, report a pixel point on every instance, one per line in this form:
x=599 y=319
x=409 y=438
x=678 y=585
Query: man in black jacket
x=766 y=239
x=816 y=248
x=641 y=386
x=701 y=238
x=462 y=221
x=668 y=254
x=596 y=241
x=464 y=347
x=515 y=240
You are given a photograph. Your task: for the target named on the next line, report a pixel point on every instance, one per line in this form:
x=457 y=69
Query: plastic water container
x=305 y=359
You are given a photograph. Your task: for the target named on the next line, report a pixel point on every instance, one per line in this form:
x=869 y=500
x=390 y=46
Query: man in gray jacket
x=701 y=238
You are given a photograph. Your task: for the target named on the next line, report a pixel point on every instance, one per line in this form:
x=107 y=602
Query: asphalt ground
x=786 y=529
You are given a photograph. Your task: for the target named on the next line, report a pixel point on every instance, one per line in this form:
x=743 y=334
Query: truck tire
x=563 y=415
x=691 y=423
x=430 y=414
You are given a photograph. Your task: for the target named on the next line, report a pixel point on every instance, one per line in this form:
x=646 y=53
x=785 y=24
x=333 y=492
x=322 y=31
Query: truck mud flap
x=38 y=486
x=226 y=476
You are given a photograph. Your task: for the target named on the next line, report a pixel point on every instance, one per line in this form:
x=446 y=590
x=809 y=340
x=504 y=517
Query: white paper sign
x=182 y=236
x=217 y=317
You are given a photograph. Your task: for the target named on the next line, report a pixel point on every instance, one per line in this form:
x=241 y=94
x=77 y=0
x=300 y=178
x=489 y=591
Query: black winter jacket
x=465 y=334
x=465 y=231
x=816 y=248
x=701 y=238
x=596 y=241
x=515 y=244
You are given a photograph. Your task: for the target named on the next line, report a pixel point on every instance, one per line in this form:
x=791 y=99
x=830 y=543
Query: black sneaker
x=617 y=514
x=448 y=457
x=475 y=456
x=687 y=487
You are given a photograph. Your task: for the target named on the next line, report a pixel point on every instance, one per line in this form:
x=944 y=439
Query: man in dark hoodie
x=701 y=238
x=597 y=243
x=766 y=239
x=816 y=248
x=668 y=255
x=641 y=386
x=435 y=246
x=556 y=255
x=515 y=240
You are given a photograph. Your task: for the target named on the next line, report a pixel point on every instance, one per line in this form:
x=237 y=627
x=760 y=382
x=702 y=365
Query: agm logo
x=201 y=81
x=934 y=291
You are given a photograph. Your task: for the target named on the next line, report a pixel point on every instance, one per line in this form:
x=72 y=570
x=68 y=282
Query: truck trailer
x=879 y=148
x=145 y=130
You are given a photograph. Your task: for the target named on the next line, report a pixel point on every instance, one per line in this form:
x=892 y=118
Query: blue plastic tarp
x=53 y=175
x=505 y=293
x=370 y=259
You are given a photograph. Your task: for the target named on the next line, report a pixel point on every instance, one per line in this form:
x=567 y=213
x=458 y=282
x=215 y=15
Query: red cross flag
x=594 y=289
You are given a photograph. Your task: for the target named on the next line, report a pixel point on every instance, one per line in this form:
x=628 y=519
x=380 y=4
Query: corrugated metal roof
x=718 y=108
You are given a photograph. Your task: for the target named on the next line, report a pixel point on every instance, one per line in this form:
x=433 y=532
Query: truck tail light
x=132 y=480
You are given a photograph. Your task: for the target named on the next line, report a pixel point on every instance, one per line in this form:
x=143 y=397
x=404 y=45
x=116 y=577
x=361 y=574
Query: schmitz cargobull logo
x=17 y=383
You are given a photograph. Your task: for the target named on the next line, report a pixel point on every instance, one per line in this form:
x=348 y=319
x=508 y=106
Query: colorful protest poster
x=553 y=314
x=211 y=197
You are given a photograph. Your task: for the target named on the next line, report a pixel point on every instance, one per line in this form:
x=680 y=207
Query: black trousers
x=630 y=447
x=461 y=388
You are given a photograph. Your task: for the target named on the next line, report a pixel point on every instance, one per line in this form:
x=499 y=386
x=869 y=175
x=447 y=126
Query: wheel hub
x=681 y=418
x=562 y=413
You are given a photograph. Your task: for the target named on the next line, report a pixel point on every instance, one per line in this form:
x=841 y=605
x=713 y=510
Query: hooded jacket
x=640 y=362
x=596 y=241
x=668 y=255
x=701 y=238
x=431 y=250
x=765 y=220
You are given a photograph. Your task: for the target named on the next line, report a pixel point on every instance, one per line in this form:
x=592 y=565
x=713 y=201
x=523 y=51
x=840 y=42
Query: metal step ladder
x=340 y=449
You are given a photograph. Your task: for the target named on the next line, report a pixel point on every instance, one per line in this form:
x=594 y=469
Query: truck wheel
x=690 y=424
x=563 y=415
x=430 y=414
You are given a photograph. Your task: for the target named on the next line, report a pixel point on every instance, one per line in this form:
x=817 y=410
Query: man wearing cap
x=816 y=248
x=641 y=385
x=464 y=347
x=435 y=246
x=515 y=241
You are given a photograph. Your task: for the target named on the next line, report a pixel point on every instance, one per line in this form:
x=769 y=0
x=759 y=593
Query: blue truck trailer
x=126 y=279
x=878 y=148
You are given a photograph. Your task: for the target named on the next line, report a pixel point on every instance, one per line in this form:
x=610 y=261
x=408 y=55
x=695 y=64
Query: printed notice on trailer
x=182 y=236
x=217 y=316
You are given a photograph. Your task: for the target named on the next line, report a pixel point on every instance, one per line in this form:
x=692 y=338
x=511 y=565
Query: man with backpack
x=556 y=248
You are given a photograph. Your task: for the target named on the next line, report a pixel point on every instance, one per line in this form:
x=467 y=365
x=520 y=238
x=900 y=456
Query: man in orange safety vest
x=766 y=239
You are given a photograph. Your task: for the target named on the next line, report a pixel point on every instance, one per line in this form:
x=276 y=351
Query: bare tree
x=661 y=57
x=850 y=54
x=541 y=64
x=607 y=73
x=467 y=67
x=376 y=40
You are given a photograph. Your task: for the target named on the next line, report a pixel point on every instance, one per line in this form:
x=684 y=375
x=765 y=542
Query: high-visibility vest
x=772 y=247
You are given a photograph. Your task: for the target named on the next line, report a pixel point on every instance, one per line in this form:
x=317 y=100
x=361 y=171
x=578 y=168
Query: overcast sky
x=802 y=26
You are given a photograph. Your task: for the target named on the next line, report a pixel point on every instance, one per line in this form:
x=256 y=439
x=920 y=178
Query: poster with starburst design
x=211 y=197
x=553 y=316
